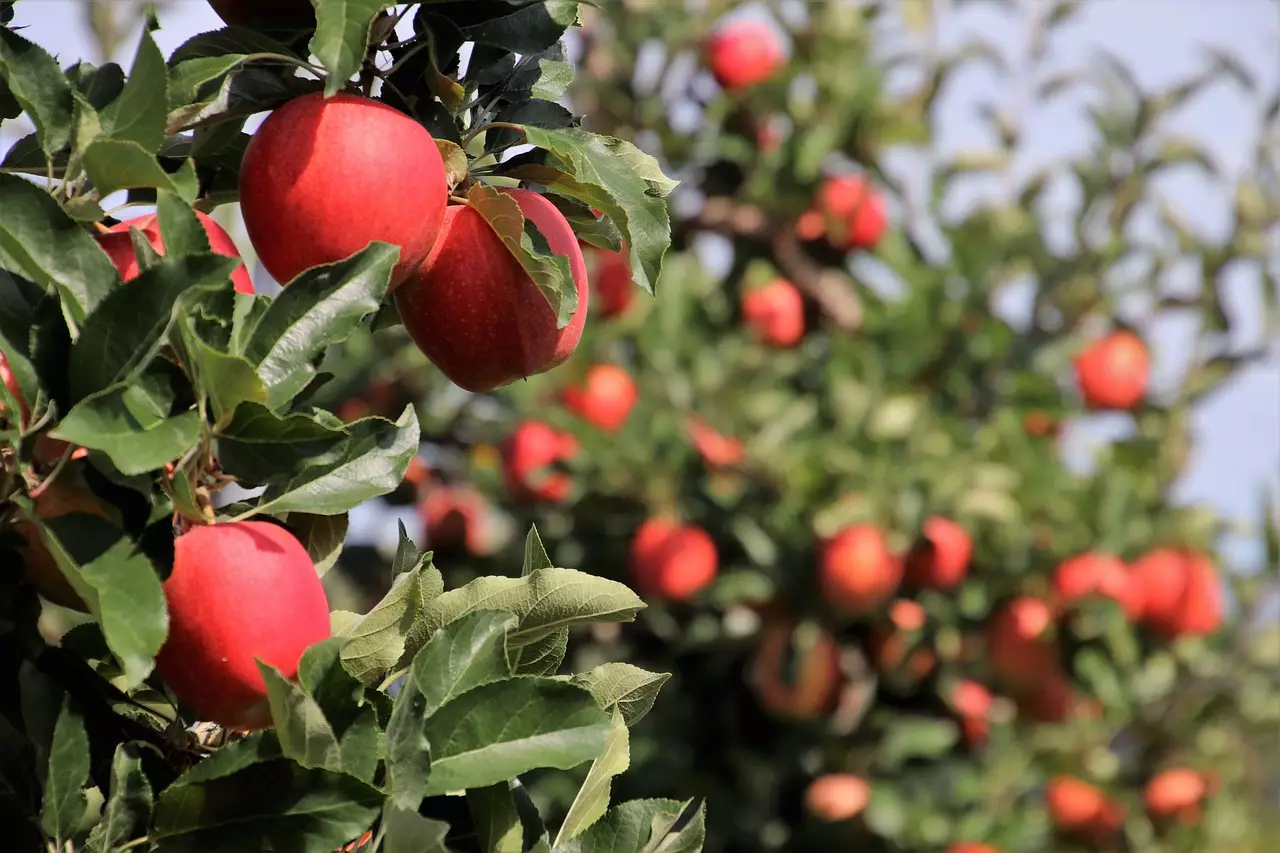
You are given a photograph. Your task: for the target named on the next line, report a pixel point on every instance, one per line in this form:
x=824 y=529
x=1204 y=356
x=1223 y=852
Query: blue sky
x=1238 y=429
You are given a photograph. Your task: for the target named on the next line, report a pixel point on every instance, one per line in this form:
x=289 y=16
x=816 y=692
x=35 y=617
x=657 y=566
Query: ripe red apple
x=299 y=14
x=801 y=690
x=971 y=700
x=323 y=178
x=474 y=310
x=605 y=399
x=614 y=291
x=1177 y=792
x=1017 y=648
x=717 y=450
x=941 y=559
x=1078 y=808
x=454 y=517
x=893 y=647
x=837 y=796
x=1183 y=595
x=418 y=473
x=239 y=591
x=972 y=847
x=852 y=211
x=776 y=313
x=744 y=53
x=1113 y=373
x=118 y=245
x=672 y=561
x=1098 y=574
x=856 y=572
x=528 y=455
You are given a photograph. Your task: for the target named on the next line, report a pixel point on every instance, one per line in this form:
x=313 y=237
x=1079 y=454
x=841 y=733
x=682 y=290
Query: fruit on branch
x=717 y=450
x=1098 y=574
x=972 y=847
x=898 y=647
x=1176 y=793
x=1113 y=373
x=1018 y=648
x=292 y=14
x=1082 y=810
x=238 y=591
x=940 y=559
x=1055 y=700
x=531 y=456
x=455 y=517
x=776 y=313
x=118 y=245
x=604 y=399
x=1182 y=592
x=672 y=561
x=613 y=289
x=856 y=572
x=803 y=688
x=475 y=312
x=744 y=53
x=972 y=703
x=39 y=568
x=850 y=212
x=323 y=178
x=837 y=796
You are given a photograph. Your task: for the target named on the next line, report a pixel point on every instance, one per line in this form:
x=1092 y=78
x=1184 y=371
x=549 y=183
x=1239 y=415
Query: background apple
x=744 y=53
x=605 y=397
x=776 y=313
x=118 y=245
x=1113 y=372
x=856 y=572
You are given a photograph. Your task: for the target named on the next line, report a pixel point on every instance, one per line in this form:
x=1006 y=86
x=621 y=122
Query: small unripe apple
x=39 y=568
x=1113 y=373
x=673 y=561
x=292 y=14
x=612 y=285
x=856 y=572
x=118 y=245
x=323 y=178
x=803 y=691
x=854 y=210
x=528 y=457
x=454 y=517
x=1181 y=591
x=776 y=313
x=1017 y=648
x=717 y=450
x=837 y=796
x=605 y=398
x=239 y=591
x=941 y=559
x=475 y=312
x=744 y=53
x=1176 y=793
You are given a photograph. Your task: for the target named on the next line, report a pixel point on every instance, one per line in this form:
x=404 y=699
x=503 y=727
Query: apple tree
x=205 y=698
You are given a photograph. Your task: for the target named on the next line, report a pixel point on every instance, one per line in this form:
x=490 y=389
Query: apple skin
x=528 y=453
x=744 y=53
x=1016 y=647
x=238 y=591
x=475 y=312
x=613 y=289
x=118 y=245
x=855 y=210
x=856 y=572
x=454 y=517
x=1114 y=372
x=1093 y=573
x=39 y=568
x=941 y=559
x=1177 y=792
x=716 y=449
x=317 y=185
x=671 y=561
x=972 y=703
x=837 y=797
x=296 y=14
x=1183 y=595
x=605 y=398
x=776 y=313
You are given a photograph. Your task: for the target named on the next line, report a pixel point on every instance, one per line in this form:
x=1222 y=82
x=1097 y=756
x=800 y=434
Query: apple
x=1017 y=648
x=744 y=53
x=1113 y=372
x=1181 y=590
x=39 y=568
x=118 y=245
x=418 y=473
x=323 y=178
x=972 y=847
x=853 y=212
x=614 y=290
x=776 y=313
x=605 y=399
x=801 y=690
x=454 y=517
x=837 y=796
x=896 y=648
x=1078 y=808
x=972 y=702
x=475 y=312
x=1098 y=574
x=238 y=591
x=11 y=382
x=1177 y=792
x=528 y=455
x=856 y=572
x=283 y=14
x=672 y=561
x=941 y=559
x=716 y=449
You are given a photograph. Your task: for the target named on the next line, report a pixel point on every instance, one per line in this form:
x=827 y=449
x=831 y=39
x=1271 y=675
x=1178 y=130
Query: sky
x=1237 y=454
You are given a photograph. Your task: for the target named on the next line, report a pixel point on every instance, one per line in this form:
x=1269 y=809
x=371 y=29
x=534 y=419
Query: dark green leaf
x=138 y=115
x=304 y=734
x=34 y=79
x=628 y=828
x=342 y=37
x=462 y=656
x=232 y=758
x=408 y=750
x=541 y=657
x=225 y=380
x=128 y=810
x=909 y=737
x=180 y=228
x=498 y=827
x=322 y=535
x=261 y=447
x=122 y=422
x=64 y=800
x=408 y=557
x=592 y=799
x=520 y=28
x=406 y=831
x=121 y=164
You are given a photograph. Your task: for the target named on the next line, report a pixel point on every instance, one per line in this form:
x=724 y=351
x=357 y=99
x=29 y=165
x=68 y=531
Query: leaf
x=908 y=738
x=39 y=242
x=321 y=307
x=120 y=164
x=180 y=228
x=406 y=831
x=555 y=76
x=627 y=828
x=517 y=27
x=128 y=810
x=121 y=421
x=63 y=803
x=362 y=746
x=304 y=734
x=225 y=380
x=138 y=115
x=689 y=838
x=244 y=91
x=370 y=464
x=323 y=536
x=455 y=160
x=535 y=555
x=628 y=688
x=260 y=447
x=408 y=557
x=377 y=641
x=408 y=750
x=342 y=37
x=592 y=799
x=618 y=179
x=541 y=657
x=497 y=822
x=232 y=758
x=462 y=656
x=37 y=83
x=506 y=728
x=322 y=676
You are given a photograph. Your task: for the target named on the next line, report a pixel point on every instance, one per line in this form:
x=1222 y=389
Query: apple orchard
x=779 y=556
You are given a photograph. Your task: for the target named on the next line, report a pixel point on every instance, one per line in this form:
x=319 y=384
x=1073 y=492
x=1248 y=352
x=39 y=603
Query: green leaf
x=616 y=178
x=186 y=78
x=37 y=83
x=554 y=78
x=542 y=656
x=63 y=804
x=518 y=27
x=319 y=308
x=322 y=535
x=232 y=758
x=243 y=92
x=39 y=242
x=592 y=799
x=408 y=750
x=370 y=464
x=406 y=831
x=535 y=555
x=362 y=746
x=138 y=115
x=506 y=728
x=628 y=828
x=122 y=422
x=224 y=379
x=377 y=641
x=462 y=656
x=260 y=447
x=342 y=37
x=549 y=271
x=304 y=734
x=128 y=810
x=908 y=738
x=180 y=228
x=497 y=822
x=628 y=688
x=122 y=164
x=322 y=676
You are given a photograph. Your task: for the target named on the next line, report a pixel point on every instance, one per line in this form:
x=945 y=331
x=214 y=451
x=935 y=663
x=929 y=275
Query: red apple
x=855 y=210
x=238 y=592
x=1182 y=593
x=294 y=14
x=1080 y=809
x=972 y=847
x=837 y=796
x=323 y=178
x=118 y=245
x=717 y=450
x=1113 y=373
x=803 y=689
x=671 y=561
x=776 y=313
x=1177 y=792
x=11 y=382
x=454 y=517
x=971 y=700
x=744 y=53
x=1017 y=648
x=856 y=572
x=941 y=559
x=614 y=290
x=418 y=473
x=605 y=399
x=528 y=455
x=1098 y=574
x=474 y=310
